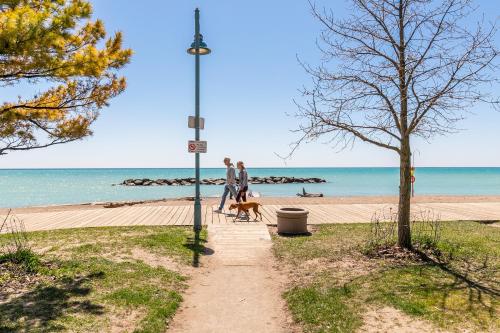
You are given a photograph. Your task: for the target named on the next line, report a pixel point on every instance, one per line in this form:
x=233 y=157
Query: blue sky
x=248 y=86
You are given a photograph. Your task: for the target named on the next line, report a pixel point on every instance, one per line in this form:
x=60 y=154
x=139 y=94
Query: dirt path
x=238 y=289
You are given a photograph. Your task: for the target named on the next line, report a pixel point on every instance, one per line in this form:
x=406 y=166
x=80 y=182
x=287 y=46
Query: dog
x=245 y=207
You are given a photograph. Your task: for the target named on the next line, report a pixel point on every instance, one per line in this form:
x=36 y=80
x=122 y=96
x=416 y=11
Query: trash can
x=292 y=220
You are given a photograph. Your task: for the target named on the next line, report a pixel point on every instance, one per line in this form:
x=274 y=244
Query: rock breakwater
x=219 y=181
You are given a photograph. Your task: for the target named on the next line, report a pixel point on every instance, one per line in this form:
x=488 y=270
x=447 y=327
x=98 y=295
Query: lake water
x=34 y=187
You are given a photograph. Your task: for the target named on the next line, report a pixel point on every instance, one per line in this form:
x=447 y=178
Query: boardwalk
x=183 y=214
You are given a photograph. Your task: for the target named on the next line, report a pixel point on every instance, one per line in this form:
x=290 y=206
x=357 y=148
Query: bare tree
x=394 y=69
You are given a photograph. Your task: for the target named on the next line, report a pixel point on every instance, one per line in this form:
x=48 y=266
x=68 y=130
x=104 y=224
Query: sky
x=248 y=85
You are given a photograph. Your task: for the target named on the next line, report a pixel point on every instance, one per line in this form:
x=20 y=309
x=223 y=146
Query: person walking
x=230 y=186
x=243 y=176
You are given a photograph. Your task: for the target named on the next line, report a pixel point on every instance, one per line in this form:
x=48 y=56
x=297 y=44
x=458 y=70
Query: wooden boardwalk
x=183 y=214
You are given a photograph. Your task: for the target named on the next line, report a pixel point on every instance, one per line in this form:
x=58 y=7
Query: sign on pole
x=197 y=146
x=192 y=122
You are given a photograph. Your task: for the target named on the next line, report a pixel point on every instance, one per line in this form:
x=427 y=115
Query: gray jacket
x=230 y=176
x=243 y=178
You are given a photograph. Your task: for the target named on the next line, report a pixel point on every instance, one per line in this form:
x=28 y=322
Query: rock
x=218 y=181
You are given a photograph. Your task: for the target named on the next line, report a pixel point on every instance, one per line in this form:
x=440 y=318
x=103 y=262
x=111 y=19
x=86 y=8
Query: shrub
x=14 y=244
x=25 y=258
x=425 y=229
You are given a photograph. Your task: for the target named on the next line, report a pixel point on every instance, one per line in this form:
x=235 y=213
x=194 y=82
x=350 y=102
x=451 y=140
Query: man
x=230 y=183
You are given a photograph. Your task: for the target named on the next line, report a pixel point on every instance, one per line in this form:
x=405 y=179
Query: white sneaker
x=218 y=211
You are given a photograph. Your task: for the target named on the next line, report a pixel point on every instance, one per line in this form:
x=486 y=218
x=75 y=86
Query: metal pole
x=197 y=204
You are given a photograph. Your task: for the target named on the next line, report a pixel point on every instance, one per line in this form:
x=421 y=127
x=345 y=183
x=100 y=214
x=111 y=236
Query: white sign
x=192 y=122
x=197 y=146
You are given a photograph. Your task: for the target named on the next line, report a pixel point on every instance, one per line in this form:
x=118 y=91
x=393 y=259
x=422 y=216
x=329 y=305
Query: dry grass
x=456 y=287
x=100 y=279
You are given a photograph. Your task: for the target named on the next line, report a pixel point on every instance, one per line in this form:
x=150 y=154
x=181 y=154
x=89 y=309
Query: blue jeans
x=228 y=188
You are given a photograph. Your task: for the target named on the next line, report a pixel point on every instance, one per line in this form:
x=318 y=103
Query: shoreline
x=264 y=200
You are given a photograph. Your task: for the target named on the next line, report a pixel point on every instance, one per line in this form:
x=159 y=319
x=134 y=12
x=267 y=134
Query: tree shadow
x=461 y=285
x=488 y=221
x=476 y=279
x=196 y=245
x=40 y=307
x=305 y=234
x=476 y=276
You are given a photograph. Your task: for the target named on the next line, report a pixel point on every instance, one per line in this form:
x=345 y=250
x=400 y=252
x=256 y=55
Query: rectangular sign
x=197 y=146
x=192 y=122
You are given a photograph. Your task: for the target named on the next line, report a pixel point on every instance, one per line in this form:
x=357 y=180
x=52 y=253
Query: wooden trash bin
x=292 y=220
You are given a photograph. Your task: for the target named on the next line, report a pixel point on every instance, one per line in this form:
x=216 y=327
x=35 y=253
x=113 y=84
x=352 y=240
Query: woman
x=242 y=193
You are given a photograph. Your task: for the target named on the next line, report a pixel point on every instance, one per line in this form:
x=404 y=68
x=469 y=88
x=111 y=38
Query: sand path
x=237 y=289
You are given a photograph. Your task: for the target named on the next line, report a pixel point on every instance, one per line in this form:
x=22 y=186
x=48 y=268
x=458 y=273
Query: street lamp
x=198 y=47
x=203 y=49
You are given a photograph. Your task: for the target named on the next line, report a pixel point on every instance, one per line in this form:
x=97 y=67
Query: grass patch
x=168 y=243
x=161 y=305
x=26 y=258
x=323 y=309
x=90 y=282
x=434 y=294
x=459 y=290
x=330 y=242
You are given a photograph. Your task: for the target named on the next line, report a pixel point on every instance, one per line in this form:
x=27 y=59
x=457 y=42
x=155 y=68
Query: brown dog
x=245 y=207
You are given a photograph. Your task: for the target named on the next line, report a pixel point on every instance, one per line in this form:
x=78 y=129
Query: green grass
x=323 y=309
x=429 y=292
x=25 y=258
x=88 y=281
x=458 y=291
x=167 y=243
x=329 y=242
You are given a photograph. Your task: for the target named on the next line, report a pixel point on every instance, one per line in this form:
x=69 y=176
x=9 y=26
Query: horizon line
x=266 y=167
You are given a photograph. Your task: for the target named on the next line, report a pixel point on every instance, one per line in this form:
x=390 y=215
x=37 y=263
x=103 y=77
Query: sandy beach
x=265 y=201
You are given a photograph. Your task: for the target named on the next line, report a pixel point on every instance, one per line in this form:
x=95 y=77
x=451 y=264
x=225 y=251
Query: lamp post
x=198 y=48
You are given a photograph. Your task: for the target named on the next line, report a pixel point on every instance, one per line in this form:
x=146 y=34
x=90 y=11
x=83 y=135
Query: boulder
x=218 y=181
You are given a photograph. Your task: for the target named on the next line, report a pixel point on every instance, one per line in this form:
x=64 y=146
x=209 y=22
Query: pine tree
x=56 y=43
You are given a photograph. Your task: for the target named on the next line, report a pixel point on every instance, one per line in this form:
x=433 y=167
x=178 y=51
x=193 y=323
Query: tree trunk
x=404 y=232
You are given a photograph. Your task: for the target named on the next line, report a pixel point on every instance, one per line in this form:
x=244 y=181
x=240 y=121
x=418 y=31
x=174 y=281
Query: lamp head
x=202 y=47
